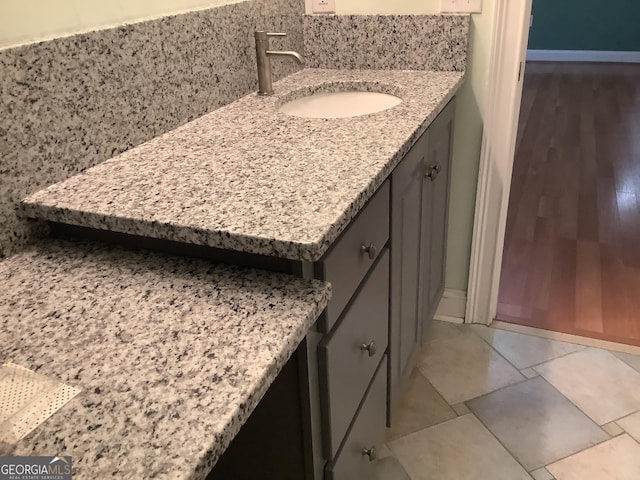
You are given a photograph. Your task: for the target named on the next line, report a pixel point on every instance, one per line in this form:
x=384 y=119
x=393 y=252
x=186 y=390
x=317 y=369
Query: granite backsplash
x=73 y=102
x=400 y=42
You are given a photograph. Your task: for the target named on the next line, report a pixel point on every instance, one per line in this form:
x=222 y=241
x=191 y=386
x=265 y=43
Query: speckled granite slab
x=172 y=354
x=402 y=42
x=249 y=178
x=72 y=102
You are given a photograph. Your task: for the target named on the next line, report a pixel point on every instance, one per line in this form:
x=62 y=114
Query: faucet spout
x=263 y=55
x=287 y=53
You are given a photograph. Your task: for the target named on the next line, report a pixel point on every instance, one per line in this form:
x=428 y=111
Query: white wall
x=26 y=21
x=468 y=136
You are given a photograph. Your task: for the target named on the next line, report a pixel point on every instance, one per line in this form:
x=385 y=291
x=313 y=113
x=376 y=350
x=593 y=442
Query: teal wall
x=611 y=25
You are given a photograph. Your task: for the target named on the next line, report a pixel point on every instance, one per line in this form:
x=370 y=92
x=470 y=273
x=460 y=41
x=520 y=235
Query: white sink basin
x=340 y=104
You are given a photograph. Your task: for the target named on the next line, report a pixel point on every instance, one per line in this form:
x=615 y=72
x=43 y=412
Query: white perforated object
x=27 y=399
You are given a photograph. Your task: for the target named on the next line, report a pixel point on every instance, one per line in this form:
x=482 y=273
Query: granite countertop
x=248 y=178
x=172 y=354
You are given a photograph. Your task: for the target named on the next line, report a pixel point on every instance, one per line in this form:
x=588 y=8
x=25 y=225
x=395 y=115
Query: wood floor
x=572 y=246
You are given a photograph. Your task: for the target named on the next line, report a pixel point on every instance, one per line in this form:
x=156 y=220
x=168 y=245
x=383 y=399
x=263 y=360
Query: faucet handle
x=262 y=36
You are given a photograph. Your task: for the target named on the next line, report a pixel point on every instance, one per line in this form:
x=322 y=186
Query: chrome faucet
x=265 y=86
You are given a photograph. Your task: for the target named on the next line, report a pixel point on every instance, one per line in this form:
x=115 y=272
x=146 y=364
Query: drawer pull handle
x=371 y=348
x=370 y=250
x=370 y=452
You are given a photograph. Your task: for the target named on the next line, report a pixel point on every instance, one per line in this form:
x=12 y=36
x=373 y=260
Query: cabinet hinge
x=520 y=71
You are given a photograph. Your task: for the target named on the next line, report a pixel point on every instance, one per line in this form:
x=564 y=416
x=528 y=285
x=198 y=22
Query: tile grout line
x=548 y=472
x=588 y=448
x=482 y=394
x=462 y=329
x=387 y=440
x=497 y=352
x=546 y=361
x=561 y=458
x=561 y=394
x=485 y=427
x=574 y=404
x=417 y=367
x=561 y=356
x=436 y=390
x=624 y=416
x=613 y=352
x=500 y=442
x=533 y=366
x=581 y=411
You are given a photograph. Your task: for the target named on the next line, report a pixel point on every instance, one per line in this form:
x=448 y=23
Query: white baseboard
x=582 y=56
x=452 y=306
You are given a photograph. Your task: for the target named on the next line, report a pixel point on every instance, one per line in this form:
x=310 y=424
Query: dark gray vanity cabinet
x=324 y=417
x=419 y=204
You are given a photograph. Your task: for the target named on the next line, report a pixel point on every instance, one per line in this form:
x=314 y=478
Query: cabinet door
x=435 y=202
x=404 y=330
x=273 y=437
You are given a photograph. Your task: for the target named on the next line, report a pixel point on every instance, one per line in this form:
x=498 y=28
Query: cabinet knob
x=371 y=348
x=370 y=452
x=433 y=171
x=371 y=250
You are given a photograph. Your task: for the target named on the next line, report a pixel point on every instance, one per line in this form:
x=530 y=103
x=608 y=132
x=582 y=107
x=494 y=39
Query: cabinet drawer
x=367 y=432
x=346 y=264
x=349 y=356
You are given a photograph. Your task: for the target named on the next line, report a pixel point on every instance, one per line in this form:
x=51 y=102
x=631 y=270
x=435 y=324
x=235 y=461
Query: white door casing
x=502 y=110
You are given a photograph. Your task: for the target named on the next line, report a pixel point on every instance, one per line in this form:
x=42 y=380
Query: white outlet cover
x=324 y=6
x=460 y=6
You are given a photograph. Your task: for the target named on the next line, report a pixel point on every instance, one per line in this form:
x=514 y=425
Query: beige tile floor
x=484 y=403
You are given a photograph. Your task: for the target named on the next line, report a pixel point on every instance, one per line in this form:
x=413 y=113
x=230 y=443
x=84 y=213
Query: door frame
x=502 y=111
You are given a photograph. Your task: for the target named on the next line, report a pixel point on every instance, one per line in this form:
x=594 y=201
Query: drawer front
x=346 y=264
x=349 y=356
x=367 y=432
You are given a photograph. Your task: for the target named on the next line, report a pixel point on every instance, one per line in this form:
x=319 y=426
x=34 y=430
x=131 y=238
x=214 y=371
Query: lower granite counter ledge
x=172 y=354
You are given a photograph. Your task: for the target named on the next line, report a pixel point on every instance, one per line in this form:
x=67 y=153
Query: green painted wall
x=30 y=21
x=612 y=25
